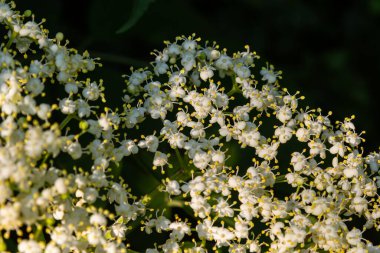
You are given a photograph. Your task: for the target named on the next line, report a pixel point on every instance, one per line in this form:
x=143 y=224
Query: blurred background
x=328 y=50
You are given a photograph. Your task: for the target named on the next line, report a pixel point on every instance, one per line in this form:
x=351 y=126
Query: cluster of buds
x=60 y=192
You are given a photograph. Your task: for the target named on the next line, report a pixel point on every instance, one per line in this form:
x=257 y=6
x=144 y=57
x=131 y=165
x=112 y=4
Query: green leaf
x=138 y=9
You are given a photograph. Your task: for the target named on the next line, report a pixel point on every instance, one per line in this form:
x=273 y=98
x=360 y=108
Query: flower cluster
x=45 y=205
x=204 y=101
x=333 y=180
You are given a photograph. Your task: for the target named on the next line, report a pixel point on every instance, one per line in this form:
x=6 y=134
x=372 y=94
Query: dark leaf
x=138 y=9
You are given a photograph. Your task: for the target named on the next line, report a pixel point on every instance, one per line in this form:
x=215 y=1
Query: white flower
x=318 y=207
x=284 y=134
x=43 y=111
x=268 y=152
x=206 y=73
x=160 y=159
x=218 y=156
x=222 y=236
x=241 y=229
x=354 y=237
x=162 y=223
x=60 y=235
x=91 y=92
x=119 y=230
x=254 y=247
x=224 y=62
x=60 y=185
x=359 y=204
x=98 y=219
x=177 y=79
x=179 y=229
x=270 y=75
x=84 y=109
x=160 y=68
x=10 y=216
x=151 y=251
x=350 y=172
x=150 y=143
x=317 y=148
x=71 y=88
x=52 y=248
x=94 y=236
x=223 y=208
x=188 y=60
x=242 y=71
x=303 y=134
x=75 y=150
x=284 y=114
x=5 y=11
x=29 y=246
x=67 y=106
x=172 y=187
x=201 y=160
x=35 y=86
x=189 y=44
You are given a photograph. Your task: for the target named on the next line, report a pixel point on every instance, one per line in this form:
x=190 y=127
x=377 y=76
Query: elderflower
x=206 y=104
x=200 y=121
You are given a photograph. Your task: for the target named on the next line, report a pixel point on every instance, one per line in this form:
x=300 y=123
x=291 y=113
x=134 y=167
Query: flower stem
x=11 y=39
x=281 y=179
x=180 y=160
x=235 y=87
x=65 y=121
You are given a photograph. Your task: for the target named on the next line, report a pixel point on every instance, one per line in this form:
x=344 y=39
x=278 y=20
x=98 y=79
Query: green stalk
x=11 y=39
x=281 y=179
x=148 y=197
x=180 y=160
x=235 y=87
x=66 y=121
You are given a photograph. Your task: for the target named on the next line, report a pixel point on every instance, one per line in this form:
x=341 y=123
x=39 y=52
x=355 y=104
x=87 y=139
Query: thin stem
x=66 y=121
x=233 y=91
x=38 y=234
x=235 y=87
x=45 y=158
x=150 y=196
x=179 y=157
x=11 y=38
x=281 y=179
x=61 y=126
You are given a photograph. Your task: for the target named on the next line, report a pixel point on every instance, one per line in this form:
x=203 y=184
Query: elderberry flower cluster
x=46 y=205
x=59 y=147
x=207 y=99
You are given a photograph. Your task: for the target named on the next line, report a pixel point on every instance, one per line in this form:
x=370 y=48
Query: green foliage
x=138 y=10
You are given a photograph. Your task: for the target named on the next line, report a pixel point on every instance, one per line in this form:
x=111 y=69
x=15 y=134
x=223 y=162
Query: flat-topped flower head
x=64 y=166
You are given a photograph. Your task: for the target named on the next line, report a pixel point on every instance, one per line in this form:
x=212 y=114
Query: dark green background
x=329 y=50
